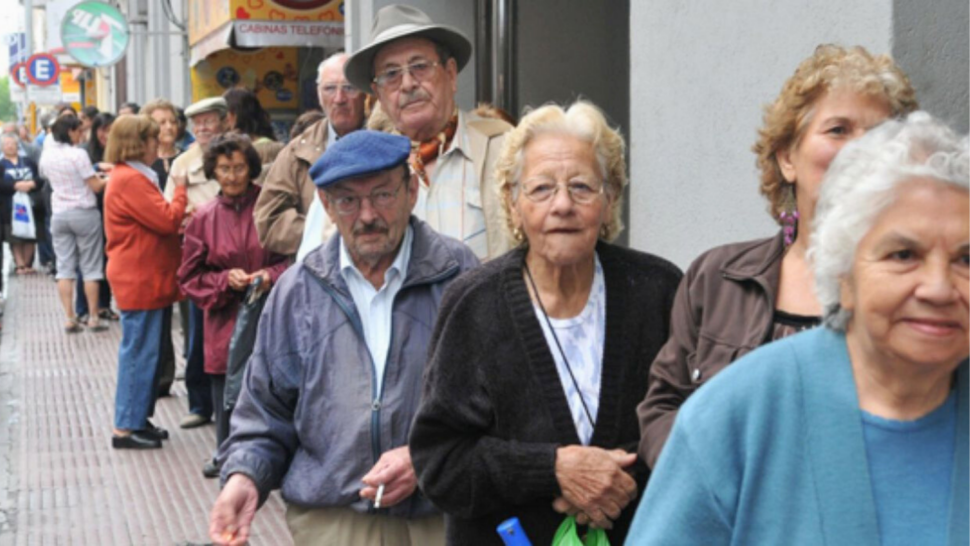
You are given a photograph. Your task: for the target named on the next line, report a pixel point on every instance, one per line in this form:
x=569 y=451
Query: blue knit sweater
x=772 y=451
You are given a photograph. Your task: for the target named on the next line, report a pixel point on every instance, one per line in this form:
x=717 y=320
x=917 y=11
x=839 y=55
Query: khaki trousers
x=339 y=526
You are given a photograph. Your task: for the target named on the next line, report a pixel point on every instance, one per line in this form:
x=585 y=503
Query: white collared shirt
x=375 y=306
x=145 y=171
x=452 y=204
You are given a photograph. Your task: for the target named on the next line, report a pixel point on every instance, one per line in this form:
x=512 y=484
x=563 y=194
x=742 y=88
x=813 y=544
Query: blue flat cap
x=360 y=153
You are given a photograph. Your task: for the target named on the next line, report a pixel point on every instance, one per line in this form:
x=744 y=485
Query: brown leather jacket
x=723 y=309
x=288 y=192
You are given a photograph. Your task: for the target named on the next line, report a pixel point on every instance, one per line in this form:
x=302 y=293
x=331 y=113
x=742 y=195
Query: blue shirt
x=375 y=306
x=911 y=464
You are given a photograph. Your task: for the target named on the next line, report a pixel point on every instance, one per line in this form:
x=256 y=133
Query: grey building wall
x=931 y=43
x=700 y=73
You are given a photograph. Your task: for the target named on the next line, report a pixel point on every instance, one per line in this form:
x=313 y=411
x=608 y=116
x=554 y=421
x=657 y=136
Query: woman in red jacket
x=222 y=256
x=143 y=255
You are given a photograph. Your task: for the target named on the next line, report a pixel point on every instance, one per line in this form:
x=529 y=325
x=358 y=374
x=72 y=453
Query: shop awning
x=221 y=24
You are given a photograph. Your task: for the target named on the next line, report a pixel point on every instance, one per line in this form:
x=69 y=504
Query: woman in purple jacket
x=221 y=257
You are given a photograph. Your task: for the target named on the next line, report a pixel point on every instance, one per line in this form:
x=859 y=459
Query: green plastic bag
x=566 y=535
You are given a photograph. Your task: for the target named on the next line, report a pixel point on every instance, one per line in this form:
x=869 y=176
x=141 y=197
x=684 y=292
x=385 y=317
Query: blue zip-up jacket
x=309 y=418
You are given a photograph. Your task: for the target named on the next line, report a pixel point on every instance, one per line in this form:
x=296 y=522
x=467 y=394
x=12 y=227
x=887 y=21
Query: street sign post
x=94 y=33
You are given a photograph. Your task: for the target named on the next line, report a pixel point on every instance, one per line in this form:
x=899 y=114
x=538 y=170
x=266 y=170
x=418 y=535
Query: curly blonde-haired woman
x=540 y=356
x=738 y=297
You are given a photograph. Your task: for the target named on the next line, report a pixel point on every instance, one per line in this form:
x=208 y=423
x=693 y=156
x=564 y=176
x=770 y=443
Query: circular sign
x=18 y=74
x=303 y=5
x=43 y=69
x=94 y=33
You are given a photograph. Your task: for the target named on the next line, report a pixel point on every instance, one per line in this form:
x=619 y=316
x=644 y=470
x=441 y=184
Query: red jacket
x=142 y=231
x=220 y=237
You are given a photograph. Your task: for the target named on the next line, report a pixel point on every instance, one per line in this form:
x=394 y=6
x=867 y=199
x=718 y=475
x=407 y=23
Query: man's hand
x=395 y=472
x=594 y=483
x=24 y=185
x=238 y=279
x=233 y=512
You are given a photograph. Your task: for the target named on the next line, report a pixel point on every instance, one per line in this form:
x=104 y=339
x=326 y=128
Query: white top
x=375 y=306
x=452 y=205
x=582 y=338
x=317 y=227
x=67 y=168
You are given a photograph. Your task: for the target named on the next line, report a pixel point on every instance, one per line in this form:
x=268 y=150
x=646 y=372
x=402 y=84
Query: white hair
x=862 y=181
x=329 y=61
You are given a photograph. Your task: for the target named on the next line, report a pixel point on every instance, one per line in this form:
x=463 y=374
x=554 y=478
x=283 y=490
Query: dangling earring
x=517 y=234
x=789 y=216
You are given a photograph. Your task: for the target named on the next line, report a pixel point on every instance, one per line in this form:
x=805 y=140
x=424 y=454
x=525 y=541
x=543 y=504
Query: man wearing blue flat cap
x=335 y=377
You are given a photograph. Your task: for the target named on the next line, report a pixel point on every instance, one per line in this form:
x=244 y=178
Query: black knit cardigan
x=493 y=411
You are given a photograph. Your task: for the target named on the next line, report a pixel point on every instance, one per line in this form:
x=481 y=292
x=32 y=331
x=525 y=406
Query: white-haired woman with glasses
x=855 y=433
x=540 y=356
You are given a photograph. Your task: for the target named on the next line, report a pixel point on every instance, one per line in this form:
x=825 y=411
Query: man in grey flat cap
x=412 y=65
x=335 y=376
x=208 y=118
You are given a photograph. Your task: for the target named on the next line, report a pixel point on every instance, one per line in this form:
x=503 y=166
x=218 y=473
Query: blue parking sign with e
x=42 y=69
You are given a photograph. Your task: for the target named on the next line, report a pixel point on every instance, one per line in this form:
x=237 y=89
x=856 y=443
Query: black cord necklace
x=569 y=368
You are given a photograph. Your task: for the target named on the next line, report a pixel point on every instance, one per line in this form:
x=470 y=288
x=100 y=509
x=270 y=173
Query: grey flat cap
x=395 y=22
x=212 y=104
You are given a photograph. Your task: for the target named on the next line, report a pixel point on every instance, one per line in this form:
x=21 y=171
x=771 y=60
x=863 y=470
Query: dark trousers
x=196 y=380
x=166 y=366
x=81 y=301
x=218 y=383
x=45 y=249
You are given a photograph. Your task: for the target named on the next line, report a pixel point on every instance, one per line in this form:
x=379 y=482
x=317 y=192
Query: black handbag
x=242 y=341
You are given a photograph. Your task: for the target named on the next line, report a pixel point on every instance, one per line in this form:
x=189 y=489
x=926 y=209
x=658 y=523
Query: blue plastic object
x=512 y=533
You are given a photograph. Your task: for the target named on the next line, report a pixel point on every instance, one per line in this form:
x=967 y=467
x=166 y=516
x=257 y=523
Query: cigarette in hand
x=377 y=499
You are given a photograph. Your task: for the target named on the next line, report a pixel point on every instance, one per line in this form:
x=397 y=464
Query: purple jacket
x=222 y=236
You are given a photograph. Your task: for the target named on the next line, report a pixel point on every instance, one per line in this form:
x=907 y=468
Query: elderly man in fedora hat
x=335 y=376
x=412 y=65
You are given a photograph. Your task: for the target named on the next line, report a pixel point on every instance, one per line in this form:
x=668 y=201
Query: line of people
x=394 y=379
x=450 y=338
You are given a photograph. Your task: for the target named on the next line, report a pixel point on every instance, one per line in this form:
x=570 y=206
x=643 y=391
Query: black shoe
x=152 y=431
x=211 y=469
x=136 y=440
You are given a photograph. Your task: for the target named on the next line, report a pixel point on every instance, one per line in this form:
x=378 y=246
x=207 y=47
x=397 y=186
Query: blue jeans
x=196 y=380
x=138 y=364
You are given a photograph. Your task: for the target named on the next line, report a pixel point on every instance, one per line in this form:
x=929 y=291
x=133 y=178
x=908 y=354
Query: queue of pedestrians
x=414 y=322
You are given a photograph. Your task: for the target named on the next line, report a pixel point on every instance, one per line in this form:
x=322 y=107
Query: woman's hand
x=24 y=186
x=267 y=281
x=105 y=167
x=594 y=483
x=238 y=280
x=178 y=180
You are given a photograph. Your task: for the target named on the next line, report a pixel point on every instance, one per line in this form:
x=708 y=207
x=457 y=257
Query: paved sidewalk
x=60 y=481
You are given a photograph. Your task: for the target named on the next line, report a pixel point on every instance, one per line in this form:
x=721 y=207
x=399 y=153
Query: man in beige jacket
x=288 y=191
x=412 y=65
x=208 y=118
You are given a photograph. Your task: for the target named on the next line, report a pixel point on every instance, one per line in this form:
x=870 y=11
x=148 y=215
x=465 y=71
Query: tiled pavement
x=60 y=481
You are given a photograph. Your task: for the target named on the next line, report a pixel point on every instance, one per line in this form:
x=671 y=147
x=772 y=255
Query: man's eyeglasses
x=381 y=199
x=330 y=90
x=582 y=192
x=392 y=77
x=210 y=122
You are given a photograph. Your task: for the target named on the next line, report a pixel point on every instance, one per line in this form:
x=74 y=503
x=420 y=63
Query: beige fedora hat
x=394 y=22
